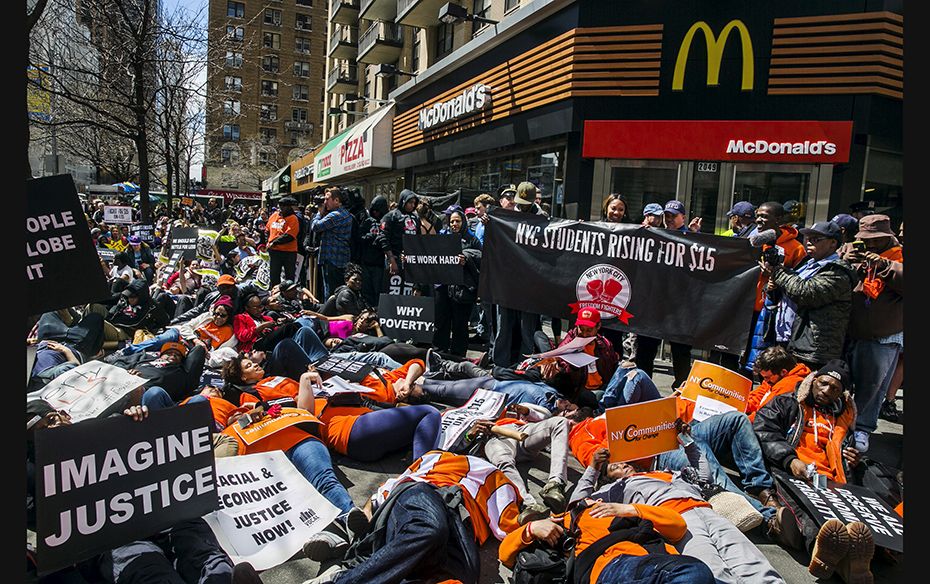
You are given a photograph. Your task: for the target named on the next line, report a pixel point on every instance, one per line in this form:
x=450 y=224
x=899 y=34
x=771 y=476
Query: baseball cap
x=173 y=346
x=287 y=201
x=226 y=279
x=452 y=208
x=862 y=207
x=676 y=207
x=846 y=221
x=653 y=209
x=471 y=212
x=526 y=193
x=508 y=191
x=287 y=285
x=588 y=317
x=824 y=228
x=872 y=226
x=742 y=209
x=135 y=240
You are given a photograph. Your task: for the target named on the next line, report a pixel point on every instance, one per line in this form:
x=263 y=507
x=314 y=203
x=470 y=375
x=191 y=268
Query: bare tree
x=32 y=17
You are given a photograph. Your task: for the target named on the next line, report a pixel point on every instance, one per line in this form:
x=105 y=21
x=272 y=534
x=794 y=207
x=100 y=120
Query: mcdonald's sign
x=715 y=47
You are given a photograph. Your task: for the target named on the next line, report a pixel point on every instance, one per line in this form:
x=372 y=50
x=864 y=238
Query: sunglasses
x=814 y=240
x=221 y=314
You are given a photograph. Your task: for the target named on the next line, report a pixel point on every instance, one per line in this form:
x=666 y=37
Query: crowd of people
x=825 y=347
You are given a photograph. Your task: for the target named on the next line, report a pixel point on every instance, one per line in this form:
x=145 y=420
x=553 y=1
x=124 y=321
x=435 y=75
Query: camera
x=858 y=246
x=772 y=256
x=566 y=544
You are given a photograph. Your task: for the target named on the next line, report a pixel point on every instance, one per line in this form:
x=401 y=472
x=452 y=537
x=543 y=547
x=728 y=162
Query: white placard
x=267 y=509
x=336 y=385
x=706 y=407
x=572 y=346
x=578 y=359
x=89 y=390
x=114 y=214
x=482 y=405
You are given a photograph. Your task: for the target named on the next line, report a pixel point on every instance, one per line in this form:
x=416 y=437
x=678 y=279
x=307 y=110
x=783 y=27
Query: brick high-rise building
x=265 y=88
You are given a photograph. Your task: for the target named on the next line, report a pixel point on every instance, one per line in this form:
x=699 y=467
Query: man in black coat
x=173 y=368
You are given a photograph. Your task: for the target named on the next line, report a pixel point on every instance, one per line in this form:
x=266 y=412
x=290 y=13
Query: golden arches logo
x=715 y=47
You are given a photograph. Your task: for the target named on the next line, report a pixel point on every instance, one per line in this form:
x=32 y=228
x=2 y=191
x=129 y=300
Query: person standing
x=400 y=221
x=744 y=213
x=454 y=302
x=334 y=224
x=372 y=249
x=283 y=228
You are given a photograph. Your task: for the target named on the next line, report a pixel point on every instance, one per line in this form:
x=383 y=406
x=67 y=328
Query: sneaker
x=433 y=361
x=328 y=576
x=862 y=441
x=767 y=497
x=890 y=412
x=533 y=512
x=855 y=568
x=357 y=522
x=783 y=529
x=245 y=573
x=325 y=545
x=831 y=546
x=553 y=495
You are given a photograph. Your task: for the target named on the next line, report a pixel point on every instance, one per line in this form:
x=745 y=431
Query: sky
x=193 y=7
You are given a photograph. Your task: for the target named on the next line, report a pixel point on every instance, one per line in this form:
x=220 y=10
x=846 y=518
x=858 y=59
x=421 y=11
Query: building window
x=231 y=107
x=231 y=132
x=269 y=88
x=233 y=59
x=299 y=115
x=294 y=137
x=301 y=92
x=443 y=40
x=301 y=69
x=272 y=17
x=267 y=135
x=268 y=112
x=235 y=9
x=235 y=33
x=267 y=157
x=367 y=90
x=415 y=62
x=229 y=155
x=480 y=8
x=307 y=3
x=303 y=22
x=271 y=40
x=510 y=4
x=270 y=63
x=233 y=83
x=303 y=45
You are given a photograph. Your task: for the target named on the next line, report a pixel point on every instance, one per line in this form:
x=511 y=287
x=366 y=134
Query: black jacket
x=397 y=223
x=372 y=243
x=180 y=381
x=242 y=290
x=146 y=313
x=146 y=254
x=362 y=343
x=344 y=300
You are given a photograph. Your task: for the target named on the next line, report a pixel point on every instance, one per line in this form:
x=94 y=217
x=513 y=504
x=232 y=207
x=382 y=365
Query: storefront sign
x=641 y=430
x=230 y=196
x=474 y=99
x=407 y=317
x=715 y=46
x=716 y=382
x=303 y=172
x=433 y=259
x=768 y=141
x=649 y=281
x=367 y=144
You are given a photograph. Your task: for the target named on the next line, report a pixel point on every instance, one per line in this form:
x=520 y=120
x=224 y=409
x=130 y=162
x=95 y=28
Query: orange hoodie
x=587 y=437
x=766 y=393
x=668 y=523
x=794 y=253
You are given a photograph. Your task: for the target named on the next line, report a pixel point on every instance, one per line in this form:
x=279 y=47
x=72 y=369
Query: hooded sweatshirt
x=398 y=223
x=372 y=244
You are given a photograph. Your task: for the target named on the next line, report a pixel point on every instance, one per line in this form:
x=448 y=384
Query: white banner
x=89 y=390
x=336 y=385
x=482 y=405
x=267 y=510
x=113 y=214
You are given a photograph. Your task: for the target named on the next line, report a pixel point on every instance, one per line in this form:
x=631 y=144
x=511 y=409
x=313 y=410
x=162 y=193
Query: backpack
x=540 y=565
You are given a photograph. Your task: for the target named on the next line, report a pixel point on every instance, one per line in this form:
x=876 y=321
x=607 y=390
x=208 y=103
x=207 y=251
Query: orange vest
x=279 y=225
x=215 y=335
x=220 y=407
x=385 y=393
x=271 y=388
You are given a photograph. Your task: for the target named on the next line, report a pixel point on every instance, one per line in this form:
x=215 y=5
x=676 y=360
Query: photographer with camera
x=334 y=223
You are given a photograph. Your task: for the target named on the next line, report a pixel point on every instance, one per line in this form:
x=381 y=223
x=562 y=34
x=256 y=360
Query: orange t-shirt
x=215 y=335
x=272 y=388
x=385 y=393
x=587 y=437
x=279 y=225
x=220 y=408
x=812 y=448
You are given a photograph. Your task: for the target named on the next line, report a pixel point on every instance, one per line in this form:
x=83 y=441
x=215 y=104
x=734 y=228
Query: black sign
x=145 y=231
x=848 y=503
x=354 y=371
x=172 y=264
x=408 y=317
x=433 y=259
x=690 y=288
x=104 y=483
x=62 y=266
x=225 y=247
x=184 y=239
x=396 y=284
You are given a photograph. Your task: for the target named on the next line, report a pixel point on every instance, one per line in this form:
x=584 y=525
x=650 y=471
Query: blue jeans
x=871 y=365
x=375 y=358
x=156 y=398
x=312 y=460
x=424 y=540
x=656 y=569
x=507 y=318
x=622 y=390
x=155 y=343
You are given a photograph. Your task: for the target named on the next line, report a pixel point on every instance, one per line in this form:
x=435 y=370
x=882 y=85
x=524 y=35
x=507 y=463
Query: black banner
x=408 y=317
x=433 y=259
x=690 y=288
x=104 y=483
x=353 y=371
x=62 y=265
x=848 y=503
x=184 y=239
x=145 y=231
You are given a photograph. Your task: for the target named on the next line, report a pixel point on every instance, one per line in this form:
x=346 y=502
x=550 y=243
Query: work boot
x=533 y=512
x=783 y=529
x=855 y=567
x=890 y=412
x=831 y=546
x=331 y=542
x=767 y=497
x=356 y=522
x=553 y=495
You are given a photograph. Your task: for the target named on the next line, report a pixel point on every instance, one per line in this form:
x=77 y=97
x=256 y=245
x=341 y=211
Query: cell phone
x=244 y=421
x=859 y=246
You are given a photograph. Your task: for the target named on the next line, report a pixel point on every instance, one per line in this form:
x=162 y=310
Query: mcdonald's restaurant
x=709 y=103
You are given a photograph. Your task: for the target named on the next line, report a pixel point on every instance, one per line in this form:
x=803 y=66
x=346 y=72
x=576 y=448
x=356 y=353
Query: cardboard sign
x=642 y=430
x=105 y=483
x=408 y=317
x=184 y=239
x=433 y=259
x=354 y=371
x=145 y=231
x=269 y=426
x=209 y=276
x=255 y=268
x=106 y=254
x=205 y=240
x=62 y=265
x=92 y=390
x=848 y=503
x=267 y=509
x=482 y=405
x=336 y=385
x=706 y=407
x=718 y=383
x=114 y=214
x=187 y=201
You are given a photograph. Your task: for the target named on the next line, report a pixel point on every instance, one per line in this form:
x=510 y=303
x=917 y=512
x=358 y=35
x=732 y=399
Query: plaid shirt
x=336 y=227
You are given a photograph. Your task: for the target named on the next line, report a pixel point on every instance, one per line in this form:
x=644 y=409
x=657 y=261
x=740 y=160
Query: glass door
x=792 y=185
x=639 y=181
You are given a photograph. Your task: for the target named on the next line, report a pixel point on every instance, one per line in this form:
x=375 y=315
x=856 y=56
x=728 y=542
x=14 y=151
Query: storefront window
x=883 y=184
x=788 y=188
x=642 y=182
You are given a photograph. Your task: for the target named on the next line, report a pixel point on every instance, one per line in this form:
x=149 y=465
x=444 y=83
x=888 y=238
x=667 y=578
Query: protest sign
x=105 y=483
x=408 y=317
x=717 y=383
x=848 y=503
x=225 y=246
x=145 y=231
x=106 y=254
x=433 y=259
x=62 y=265
x=395 y=284
x=172 y=264
x=573 y=346
x=482 y=405
x=115 y=214
x=255 y=268
x=205 y=240
x=184 y=239
x=92 y=390
x=641 y=430
x=648 y=281
x=117 y=245
x=348 y=370
x=187 y=201
x=337 y=385
x=267 y=509
x=269 y=426
x=209 y=276
x=705 y=407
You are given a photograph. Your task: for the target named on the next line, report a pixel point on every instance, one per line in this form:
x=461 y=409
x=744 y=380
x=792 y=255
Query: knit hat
x=224 y=300
x=837 y=369
x=736 y=509
x=36 y=410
